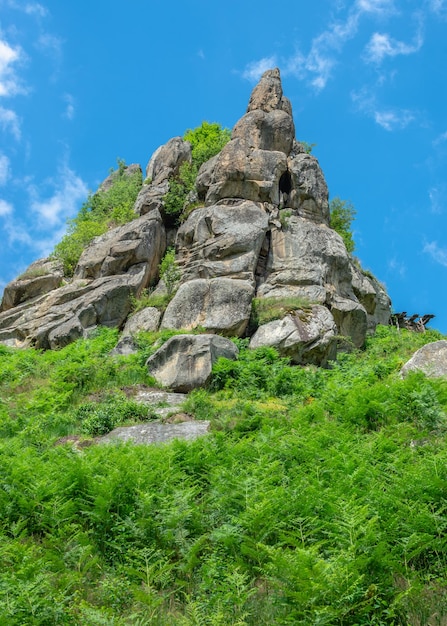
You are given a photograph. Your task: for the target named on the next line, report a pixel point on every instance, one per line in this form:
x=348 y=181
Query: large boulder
x=141 y=242
x=431 y=359
x=306 y=336
x=244 y=172
x=39 y=278
x=147 y=320
x=185 y=362
x=220 y=305
x=167 y=159
x=308 y=190
x=309 y=260
x=222 y=240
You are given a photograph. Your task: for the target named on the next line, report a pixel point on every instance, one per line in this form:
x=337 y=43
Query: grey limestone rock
x=167 y=159
x=222 y=240
x=147 y=320
x=305 y=337
x=138 y=243
x=128 y=170
x=39 y=278
x=156 y=432
x=309 y=193
x=184 y=362
x=431 y=359
x=221 y=305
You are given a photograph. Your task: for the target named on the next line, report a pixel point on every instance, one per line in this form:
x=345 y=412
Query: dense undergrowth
x=319 y=497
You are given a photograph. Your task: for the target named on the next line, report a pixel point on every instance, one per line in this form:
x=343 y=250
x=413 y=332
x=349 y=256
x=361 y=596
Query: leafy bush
x=206 y=141
x=101 y=211
x=99 y=418
x=170 y=272
x=342 y=214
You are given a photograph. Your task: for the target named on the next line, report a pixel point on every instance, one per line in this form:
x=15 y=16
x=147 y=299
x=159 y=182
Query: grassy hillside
x=318 y=498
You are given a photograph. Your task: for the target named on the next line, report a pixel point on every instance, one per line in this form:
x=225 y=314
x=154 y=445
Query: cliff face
x=263 y=232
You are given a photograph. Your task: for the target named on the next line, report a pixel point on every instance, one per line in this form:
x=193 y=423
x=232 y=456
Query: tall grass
x=318 y=498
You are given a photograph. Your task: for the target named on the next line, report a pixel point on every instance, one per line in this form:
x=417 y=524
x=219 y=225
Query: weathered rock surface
x=167 y=159
x=161 y=402
x=264 y=232
x=220 y=305
x=113 y=268
x=39 y=278
x=431 y=359
x=222 y=240
x=156 y=432
x=128 y=248
x=184 y=362
x=147 y=320
x=305 y=337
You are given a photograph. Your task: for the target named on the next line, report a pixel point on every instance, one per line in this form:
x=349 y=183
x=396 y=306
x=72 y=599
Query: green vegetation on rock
x=101 y=211
x=342 y=215
x=317 y=498
x=206 y=141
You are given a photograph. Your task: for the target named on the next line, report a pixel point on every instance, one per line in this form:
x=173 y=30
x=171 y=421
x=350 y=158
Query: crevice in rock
x=285 y=188
x=261 y=267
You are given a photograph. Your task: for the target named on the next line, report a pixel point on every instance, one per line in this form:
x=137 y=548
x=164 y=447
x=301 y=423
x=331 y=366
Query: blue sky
x=83 y=83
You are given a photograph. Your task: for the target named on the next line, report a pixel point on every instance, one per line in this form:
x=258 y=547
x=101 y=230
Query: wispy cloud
x=438 y=198
x=437 y=253
x=6 y=208
x=9 y=121
x=382 y=45
x=69 y=112
x=30 y=8
x=442 y=138
x=388 y=118
x=254 y=70
x=9 y=58
x=380 y=7
x=4 y=169
x=68 y=191
x=439 y=7
x=397 y=267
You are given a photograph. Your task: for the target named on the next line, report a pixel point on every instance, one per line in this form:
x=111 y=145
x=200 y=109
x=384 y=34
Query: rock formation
x=262 y=231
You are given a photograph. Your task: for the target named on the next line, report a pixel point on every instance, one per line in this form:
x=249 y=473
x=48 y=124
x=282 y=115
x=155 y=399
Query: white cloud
x=397 y=267
x=9 y=57
x=439 y=255
x=440 y=139
x=69 y=112
x=438 y=7
x=4 y=169
x=34 y=8
x=390 y=119
x=9 y=121
x=393 y=119
x=382 y=45
x=69 y=191
x=254 y=70
x=6 y=208
x=438 y=196
x=375 y=6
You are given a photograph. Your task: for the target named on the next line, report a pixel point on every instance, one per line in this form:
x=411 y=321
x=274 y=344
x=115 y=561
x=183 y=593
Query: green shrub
x=101 y=211
x=342 y=214
x=170 y=272
x=99 y=418
x=206 y=141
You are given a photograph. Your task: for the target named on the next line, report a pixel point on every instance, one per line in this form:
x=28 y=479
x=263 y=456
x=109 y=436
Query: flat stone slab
x=162 y=403
x=157 y=432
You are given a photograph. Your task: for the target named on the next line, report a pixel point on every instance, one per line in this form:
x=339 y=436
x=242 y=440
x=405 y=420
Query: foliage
x=206 y=141
x=308 y=147
x=170 y=272
x=318 y=497
x=101 y=211
x=342 y=214
x=268 y=309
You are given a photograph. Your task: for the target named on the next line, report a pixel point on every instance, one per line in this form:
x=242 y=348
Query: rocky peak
x=261 y=232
